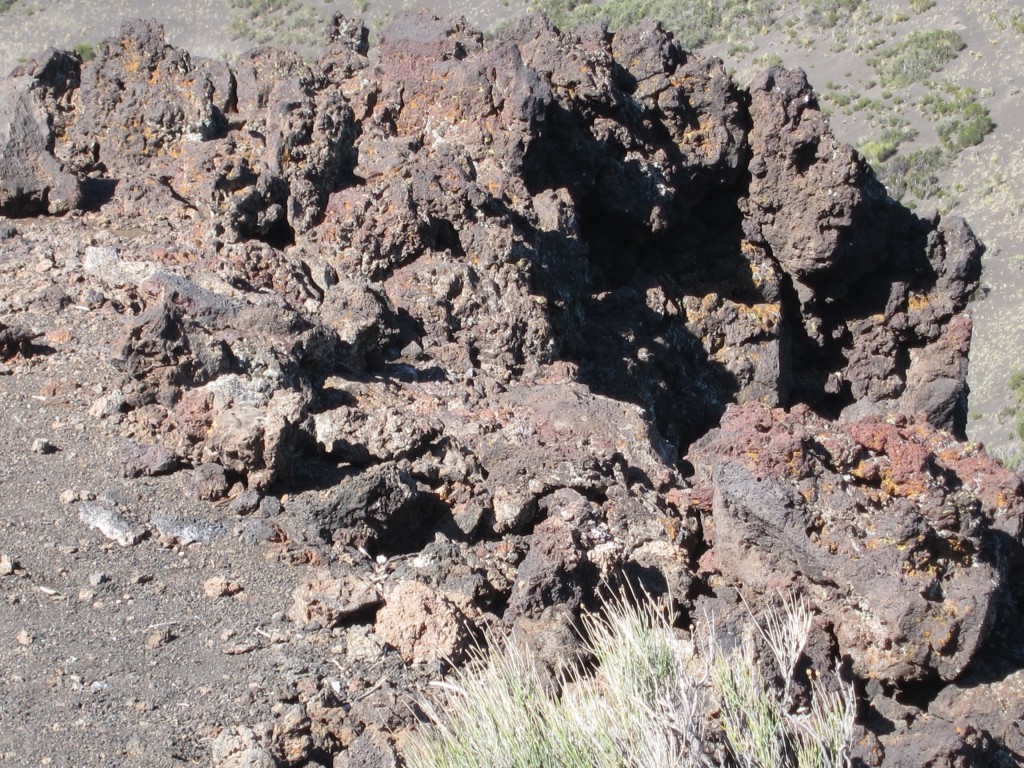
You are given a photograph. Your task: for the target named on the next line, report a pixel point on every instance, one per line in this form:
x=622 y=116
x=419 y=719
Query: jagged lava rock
x=32 y=104
x=902 y=536
x=462 y=305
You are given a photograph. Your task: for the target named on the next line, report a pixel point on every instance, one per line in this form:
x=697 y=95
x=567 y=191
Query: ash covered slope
x=465 y=293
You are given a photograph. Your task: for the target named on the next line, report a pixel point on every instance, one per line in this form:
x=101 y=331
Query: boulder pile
x=528 y=316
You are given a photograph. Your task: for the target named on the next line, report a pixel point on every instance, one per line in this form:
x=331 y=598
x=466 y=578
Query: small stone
x=110 y=523
x=209 y=482
x=159 y=637
x=92 y=298
x=95 y=579
x=425 y=625
x=69 y=496
x=326 y=600
x=245 y=503
x=107 y=405
x=148 y=460
x=218 y=586
x=270 y=507
x=7 y=565
x=24 y=638
x=85 y=595
x=240 y=647
x=43 y=446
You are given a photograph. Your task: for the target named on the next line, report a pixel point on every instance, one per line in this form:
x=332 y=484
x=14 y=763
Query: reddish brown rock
x=896 y=531
x=426 y=626
x=330 y=600
x=140 y=99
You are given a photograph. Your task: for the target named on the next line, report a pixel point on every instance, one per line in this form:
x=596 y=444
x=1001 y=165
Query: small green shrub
x=85 y=51
x=877 y=151
x=970 y=131
x=1016 y=386
x=693 y=22
x=916 y=57
x=827 y=14
x=964 y=121
x=914 y=174
x=282 y=22
x=920 y=6
x=1003 y=20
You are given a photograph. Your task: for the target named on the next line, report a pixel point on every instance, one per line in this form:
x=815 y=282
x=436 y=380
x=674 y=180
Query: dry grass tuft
x=643 y=707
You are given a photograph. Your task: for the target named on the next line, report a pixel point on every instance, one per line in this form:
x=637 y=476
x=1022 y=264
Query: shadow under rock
x=97 y=192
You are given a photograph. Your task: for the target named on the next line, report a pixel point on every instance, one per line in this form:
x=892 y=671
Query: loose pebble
x=218 y=586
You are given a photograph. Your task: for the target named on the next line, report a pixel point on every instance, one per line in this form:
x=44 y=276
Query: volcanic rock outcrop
x=546 y=311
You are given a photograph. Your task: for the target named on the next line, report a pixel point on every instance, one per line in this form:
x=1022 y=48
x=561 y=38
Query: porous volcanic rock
x=440 y=322
x=903 y=536
x=33 y=102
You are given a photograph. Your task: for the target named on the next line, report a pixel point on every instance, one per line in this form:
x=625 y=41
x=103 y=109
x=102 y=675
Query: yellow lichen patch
x=950 y=455
x=695 y=137
x=682 y=80
x=768 y=317
x=760 y=274
x=917 y=301
x=916 y=487
x=132 y=60
x=809 y=495
x=863 y=470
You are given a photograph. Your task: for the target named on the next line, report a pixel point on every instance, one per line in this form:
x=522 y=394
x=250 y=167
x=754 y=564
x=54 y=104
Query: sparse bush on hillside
x=283 y=22
x=1016 y=386
x=1012 y=20
x=644 y=704
x=968 y=131
x=85 y=51
x=877 y=151
x=697 y=22
x=963 y=120
x=920 y=6
x=917 y=56
x=1012 y=455
x=914 y=174
x=693 y=23
x=826 y=14
x=6 y=5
